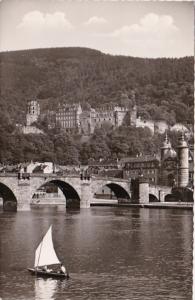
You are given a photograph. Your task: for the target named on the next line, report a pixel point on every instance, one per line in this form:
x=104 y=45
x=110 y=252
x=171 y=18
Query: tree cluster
x=65 y=149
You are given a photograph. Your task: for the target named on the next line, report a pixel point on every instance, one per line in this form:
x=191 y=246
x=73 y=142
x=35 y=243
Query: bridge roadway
x=20 y=189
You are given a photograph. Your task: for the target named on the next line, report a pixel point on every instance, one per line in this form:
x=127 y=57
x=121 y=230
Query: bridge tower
x=183 y=162
x=165 y=147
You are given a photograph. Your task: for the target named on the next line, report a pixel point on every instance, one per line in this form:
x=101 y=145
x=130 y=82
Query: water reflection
x=45 y=288
x=48 y=288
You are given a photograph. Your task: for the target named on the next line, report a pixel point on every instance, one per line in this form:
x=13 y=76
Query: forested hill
x=164 y=87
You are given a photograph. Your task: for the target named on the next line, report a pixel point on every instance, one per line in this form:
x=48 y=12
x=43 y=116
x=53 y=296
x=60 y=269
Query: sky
x=133 y=28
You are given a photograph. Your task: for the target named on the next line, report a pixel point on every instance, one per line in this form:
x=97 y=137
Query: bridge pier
x=23 y=194
x=143 y=190
x=161 y=196
x=86 y=194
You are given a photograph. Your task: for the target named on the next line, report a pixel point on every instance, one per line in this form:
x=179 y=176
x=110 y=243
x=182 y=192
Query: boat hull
x=47 y=274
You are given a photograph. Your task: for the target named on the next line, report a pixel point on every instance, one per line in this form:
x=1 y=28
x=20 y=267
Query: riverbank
x=180 y=205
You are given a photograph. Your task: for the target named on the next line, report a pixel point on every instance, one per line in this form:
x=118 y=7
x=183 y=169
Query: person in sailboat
x=63 y=269
x=45 y=269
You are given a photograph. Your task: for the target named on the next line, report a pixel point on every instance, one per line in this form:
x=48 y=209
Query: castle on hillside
x=73 y=119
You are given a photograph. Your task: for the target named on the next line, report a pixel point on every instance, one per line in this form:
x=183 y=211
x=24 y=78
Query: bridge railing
x=8 y=174
x=57 y=175
x=110 y=178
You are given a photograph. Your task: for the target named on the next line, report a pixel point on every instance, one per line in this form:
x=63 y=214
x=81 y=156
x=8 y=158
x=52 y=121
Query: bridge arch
x=9 y=198
x=153 y=198
x=183 y=194
x=171 y=198
x=118 y=191
x=71 y=196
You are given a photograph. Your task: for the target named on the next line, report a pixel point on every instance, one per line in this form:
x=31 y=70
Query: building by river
x=170 y=168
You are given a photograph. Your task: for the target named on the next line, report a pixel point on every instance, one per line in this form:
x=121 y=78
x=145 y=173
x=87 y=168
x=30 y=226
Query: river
x=110 y=252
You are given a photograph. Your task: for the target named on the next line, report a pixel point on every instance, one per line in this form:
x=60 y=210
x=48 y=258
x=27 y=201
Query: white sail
x=45 y=253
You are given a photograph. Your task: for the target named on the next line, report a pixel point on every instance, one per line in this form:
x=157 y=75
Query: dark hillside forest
x=164 y=87
x=164 y=90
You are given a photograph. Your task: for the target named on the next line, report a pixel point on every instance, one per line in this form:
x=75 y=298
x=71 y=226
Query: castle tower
x=133 y=109
x=133 y=116
x=33 y=112
x=165 y=147
x=183 y=162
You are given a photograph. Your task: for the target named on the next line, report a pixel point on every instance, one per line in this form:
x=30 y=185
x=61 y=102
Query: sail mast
x=45 y=253
x=39 y=254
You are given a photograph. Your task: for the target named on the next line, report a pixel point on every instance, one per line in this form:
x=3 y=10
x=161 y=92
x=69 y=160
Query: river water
x=111 y=253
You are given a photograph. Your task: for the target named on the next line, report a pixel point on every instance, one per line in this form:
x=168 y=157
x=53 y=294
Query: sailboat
x=45 y=256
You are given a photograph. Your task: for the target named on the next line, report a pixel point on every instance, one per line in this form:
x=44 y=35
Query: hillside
x=164 y=87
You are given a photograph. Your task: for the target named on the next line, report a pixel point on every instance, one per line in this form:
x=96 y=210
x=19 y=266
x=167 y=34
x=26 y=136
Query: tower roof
x=171 y=153
x=166 y=143
x=182 y=142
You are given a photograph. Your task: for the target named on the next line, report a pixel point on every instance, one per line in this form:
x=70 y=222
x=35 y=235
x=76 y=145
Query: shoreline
x=168 y=205
x=179 y=205
x=162 y=205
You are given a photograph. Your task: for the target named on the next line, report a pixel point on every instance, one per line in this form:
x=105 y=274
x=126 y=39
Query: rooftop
x=144 y=158
x=111 y=162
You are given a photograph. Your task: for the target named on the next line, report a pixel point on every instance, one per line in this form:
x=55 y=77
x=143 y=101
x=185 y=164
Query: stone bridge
x=19 y=189
x=159 y=193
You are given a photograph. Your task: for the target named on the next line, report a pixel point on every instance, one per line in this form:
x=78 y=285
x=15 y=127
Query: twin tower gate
x=20 y=191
